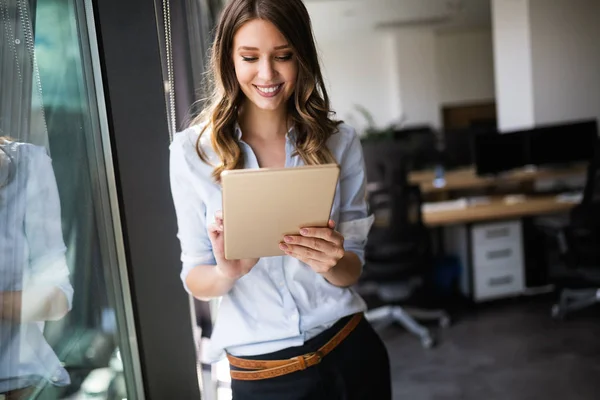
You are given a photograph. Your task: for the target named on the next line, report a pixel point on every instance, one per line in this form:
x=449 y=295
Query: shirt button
x=281 y=283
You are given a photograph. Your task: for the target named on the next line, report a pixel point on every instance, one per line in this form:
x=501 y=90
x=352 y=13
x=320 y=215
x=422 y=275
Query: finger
x=326 y=234
x=215 y=227
x=313 y=243
x=329 y=254
x=219 y=217
x=215 y=230
x=317 y=265
x=331 y=250
x=300 y=251
x=308 y=253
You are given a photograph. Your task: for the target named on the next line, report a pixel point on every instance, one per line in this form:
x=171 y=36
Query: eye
x=249 y=59
x=285 y=57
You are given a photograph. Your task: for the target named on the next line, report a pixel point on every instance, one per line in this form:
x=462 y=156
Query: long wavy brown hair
x=308 y=107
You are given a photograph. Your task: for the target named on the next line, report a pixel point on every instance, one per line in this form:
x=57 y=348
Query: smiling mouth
x=269 y=91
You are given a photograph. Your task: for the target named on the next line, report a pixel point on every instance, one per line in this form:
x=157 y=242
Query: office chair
x=579 y=247
x=398 y=255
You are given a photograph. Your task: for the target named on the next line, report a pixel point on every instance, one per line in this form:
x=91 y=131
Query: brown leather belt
x=266 y=369
x=18 y=394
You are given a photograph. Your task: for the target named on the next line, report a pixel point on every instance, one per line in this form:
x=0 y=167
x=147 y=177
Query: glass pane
x=65 y=316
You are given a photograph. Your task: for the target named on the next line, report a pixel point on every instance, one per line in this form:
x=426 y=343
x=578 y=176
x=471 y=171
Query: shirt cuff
x=356 y=230
x=355 y=234
x=190 y=263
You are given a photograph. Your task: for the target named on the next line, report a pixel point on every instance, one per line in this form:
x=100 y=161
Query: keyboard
x=458 y=204
x=570 y=197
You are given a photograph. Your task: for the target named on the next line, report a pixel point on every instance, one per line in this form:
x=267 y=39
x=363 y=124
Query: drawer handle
x=503 y=280
x=497 y=233
x=492 y=255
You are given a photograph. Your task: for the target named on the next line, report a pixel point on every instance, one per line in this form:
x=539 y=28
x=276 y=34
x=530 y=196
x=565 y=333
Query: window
x=65 y=311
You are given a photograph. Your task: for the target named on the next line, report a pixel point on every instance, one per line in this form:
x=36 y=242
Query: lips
x=269 y=91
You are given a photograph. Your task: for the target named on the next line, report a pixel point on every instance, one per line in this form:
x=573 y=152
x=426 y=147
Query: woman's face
x=265 y=65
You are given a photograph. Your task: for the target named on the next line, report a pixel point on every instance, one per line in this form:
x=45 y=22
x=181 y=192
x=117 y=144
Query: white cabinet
x=492 y=258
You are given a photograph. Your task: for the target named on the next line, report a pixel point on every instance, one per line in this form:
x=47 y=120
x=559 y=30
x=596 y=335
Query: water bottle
x=439 y=179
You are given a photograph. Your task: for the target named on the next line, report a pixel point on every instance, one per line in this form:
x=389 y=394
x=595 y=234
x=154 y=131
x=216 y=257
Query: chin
x=267 y=105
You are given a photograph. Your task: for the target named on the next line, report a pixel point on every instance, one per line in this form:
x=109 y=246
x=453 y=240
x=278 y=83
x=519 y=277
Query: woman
x=295 y=314
x=34 y=277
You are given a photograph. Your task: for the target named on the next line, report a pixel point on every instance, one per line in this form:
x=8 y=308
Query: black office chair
x=579 y=246
x=398 y=255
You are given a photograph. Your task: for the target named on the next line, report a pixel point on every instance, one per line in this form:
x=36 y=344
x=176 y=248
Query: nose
x=266 y=71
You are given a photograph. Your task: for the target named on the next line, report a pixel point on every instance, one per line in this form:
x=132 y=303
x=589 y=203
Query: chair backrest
x=397 y=209
x=583 y=232
x=591 y=192
x=386 y=161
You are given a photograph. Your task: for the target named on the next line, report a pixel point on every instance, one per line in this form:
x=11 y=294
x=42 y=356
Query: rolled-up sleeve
x=43 y=228
x=190 y=209
x=354 y=222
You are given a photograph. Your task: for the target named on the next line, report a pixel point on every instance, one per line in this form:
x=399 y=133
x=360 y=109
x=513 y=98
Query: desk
x=466 y=178
x=489 y=242
x=497 y=209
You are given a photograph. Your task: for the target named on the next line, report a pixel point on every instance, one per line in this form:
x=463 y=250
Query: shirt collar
x=290 y=134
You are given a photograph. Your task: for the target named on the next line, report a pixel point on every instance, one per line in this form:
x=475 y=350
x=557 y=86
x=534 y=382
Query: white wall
x=565 y=49
x=407 y=72
x=416 y=65
x=465 y=62
x=512 y=64
x=359 y=69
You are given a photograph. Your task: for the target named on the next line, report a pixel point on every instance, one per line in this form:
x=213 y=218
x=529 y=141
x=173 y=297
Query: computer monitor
x=458 y=148
x=499 y=152
x=563 y=143
x=458 y=145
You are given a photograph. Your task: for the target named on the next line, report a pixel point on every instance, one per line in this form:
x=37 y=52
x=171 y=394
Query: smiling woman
x=264 y=51
x=291 y=326
x=266 y=71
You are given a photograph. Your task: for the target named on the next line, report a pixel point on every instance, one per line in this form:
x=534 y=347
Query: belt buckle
x=313 y=354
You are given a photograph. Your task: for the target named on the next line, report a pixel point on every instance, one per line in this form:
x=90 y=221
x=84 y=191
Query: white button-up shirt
x=281 y=302
x=32 y=259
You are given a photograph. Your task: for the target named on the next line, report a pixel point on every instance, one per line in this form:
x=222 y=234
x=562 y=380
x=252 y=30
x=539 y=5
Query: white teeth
x=272 y=89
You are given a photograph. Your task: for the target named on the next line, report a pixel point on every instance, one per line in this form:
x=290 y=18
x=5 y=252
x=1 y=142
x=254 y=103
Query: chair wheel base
x=428 y=342
x=445 y=322
x=557 y=312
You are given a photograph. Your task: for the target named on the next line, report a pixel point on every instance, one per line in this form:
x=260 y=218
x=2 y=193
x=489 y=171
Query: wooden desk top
x=497 y=209
x=466 y=178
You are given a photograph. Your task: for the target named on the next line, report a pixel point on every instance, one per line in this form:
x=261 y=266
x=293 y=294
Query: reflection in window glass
x=62 y=315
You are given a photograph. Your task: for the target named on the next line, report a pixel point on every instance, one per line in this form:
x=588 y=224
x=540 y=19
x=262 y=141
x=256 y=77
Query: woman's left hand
x=319 y=248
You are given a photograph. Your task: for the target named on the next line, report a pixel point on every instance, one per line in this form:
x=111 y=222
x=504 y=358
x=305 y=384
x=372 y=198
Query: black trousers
x=357 y=369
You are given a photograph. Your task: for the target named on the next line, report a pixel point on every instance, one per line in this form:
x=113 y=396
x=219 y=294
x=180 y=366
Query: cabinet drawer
x=501 y=256
x=496 y=233
x=491 y=284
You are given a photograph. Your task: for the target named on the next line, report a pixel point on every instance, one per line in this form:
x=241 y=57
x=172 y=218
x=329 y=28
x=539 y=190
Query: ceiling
x=333 y=18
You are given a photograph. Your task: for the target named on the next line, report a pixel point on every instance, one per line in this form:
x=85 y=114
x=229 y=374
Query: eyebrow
x=283 y=46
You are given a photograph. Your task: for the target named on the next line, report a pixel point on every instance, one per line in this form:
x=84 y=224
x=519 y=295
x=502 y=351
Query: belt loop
x=302 y=362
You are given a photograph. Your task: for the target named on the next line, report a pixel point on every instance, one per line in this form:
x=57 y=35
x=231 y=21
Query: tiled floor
x=504 y=351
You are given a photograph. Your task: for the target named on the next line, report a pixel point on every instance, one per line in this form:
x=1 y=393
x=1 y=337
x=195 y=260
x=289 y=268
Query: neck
x=263 y=124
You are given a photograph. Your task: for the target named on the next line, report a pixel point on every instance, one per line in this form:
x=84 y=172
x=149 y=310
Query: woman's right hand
x=230 y=269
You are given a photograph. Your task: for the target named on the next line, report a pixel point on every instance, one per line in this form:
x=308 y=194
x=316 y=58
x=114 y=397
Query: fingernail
x=303 y=231
x=287 y=239
x=283 y=246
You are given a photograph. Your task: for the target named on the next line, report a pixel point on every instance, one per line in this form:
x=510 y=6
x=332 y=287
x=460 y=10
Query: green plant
x=372 y=132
